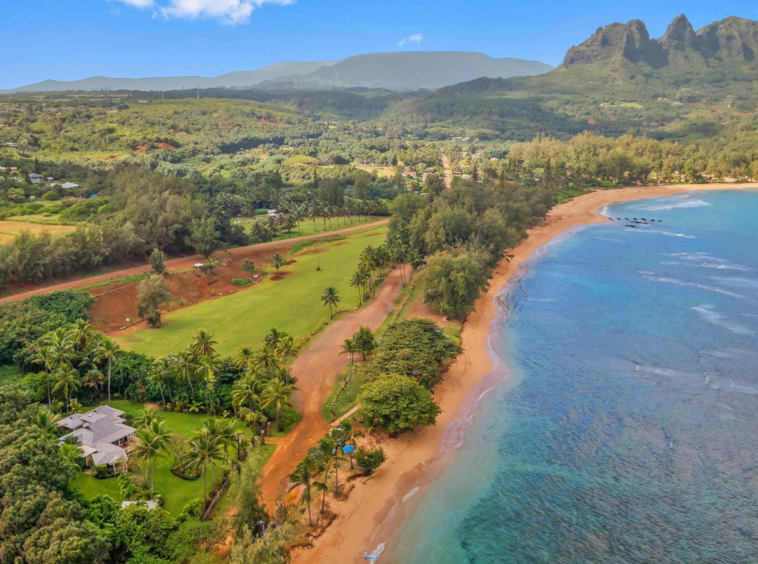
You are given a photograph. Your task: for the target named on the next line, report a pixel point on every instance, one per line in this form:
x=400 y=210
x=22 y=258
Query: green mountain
x=399 y=71
x=686 y=85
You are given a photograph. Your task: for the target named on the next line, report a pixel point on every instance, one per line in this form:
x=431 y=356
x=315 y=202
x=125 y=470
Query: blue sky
x=71 y=39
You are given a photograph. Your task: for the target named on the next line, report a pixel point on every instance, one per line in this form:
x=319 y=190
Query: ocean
x=626 y=431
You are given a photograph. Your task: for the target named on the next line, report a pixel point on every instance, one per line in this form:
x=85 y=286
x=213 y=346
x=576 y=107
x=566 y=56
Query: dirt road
x=180 y=263
x=317 y=369
x=446 y=168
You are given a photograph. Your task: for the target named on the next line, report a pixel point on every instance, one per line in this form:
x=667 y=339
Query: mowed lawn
x=176 y=492
x=292 y=305
x=307 y=227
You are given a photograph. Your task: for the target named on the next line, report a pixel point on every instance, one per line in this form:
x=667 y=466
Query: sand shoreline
x=379 y=508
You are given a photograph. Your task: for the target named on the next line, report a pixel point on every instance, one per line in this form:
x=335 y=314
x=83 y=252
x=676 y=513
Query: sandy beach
x=414 y=460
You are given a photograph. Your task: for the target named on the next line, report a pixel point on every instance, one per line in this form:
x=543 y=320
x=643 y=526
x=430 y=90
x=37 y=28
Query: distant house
x=35 y=178
x=272 y=212
x=50 y=178
x=409 y=174
x=101 y=433
x=69 y=185
x=149 y=504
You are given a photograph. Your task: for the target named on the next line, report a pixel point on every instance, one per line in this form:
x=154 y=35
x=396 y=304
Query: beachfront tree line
x=591 y=160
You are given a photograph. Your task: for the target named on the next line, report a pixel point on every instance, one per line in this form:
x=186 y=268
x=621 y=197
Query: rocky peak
x=730 y=38
x=680 y=35
x=630 y=41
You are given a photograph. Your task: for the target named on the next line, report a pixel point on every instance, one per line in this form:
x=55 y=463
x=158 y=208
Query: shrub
x=369 y=460
x=51 y=196
x=240 y=282
x=397 y=403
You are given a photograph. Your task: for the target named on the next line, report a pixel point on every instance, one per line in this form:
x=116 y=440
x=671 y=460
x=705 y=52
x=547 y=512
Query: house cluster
x=102 y=434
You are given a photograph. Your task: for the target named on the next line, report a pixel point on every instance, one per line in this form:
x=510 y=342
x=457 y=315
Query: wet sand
x=379 y=507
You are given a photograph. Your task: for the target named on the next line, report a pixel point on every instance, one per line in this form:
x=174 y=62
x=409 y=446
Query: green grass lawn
x=292 y=305
x=10 y=374
x=176 y=492
x=307 y=227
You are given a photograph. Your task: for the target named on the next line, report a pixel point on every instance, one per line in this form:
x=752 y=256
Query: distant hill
x=431 y=69
x=686 y=85
x=397 y=71
x=243 y=79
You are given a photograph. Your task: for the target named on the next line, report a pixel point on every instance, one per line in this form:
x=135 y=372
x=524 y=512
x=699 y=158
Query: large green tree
x=397 y=403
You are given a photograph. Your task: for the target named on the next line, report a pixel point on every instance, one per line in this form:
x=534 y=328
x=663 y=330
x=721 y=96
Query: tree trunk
x=109 y=380
x=205 y=482
x=160 y=386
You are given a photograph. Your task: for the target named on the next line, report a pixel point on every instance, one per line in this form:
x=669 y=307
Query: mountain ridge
x=393 y=70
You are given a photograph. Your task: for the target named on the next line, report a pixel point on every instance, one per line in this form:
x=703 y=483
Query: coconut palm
x=82 y=333
x=285 y=350
x=303 y=476
x=324 y=453
x=277 y=261
x=203 y=344
x=44 y=355
x=244 y=358
x=271 y=340
x=146 y=418
x=350 y=347
x=357 y=281
x=45 y=419
x=330 y=298
x=349 y=433
x=161 y=373
x=69 y=452
x=186 y=369
x=93 y=379
x=153 y=439
x=204 y=448
x=278 y=394
x=265 y=361
x=66 y=381
x=108 y=351
x=246 y=391
x=207 y=371
x=61 y=348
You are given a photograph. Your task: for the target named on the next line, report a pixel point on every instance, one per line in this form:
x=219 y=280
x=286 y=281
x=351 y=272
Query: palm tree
x=108 y=350
x=203 y=449
x=357 y=281
x=152 y=440
x=146 y=418
x=277 y=261
x=67 y=381
x=44 y=355
x=244 y=358
x=246 y=390
x=271 y=340
x=350 y=347
x=303 y=476
x=324 y=454
x=349 y=433
x=266 y=361
x=207 y=370
x=161 y=374
x=61 y=348
x=330 y=298
x=278 y=394
x=186 y=369
x=82 y=333
x=45 y=419
x=285 y=350
x=203 y=345
x=69 y=452
x=93 y=379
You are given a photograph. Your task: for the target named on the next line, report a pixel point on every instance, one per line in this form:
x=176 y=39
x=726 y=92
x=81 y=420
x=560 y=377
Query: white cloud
x=138 y=3
x=227 y=11
x=416 y=38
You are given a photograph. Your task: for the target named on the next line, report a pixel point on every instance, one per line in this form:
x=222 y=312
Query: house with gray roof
x=102 y=435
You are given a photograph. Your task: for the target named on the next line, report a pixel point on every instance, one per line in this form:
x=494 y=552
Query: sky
x=74 y=39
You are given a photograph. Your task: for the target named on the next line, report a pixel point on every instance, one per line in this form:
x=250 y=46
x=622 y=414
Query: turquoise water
x=627 y=431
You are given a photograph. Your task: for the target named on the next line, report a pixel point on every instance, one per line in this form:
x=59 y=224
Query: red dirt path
x=317 y=369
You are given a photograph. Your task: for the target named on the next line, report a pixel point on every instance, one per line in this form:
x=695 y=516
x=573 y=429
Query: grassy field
x=175 y=491
x=292 y=304
x=9 y=230
x=10 y=374
x=308 y=227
